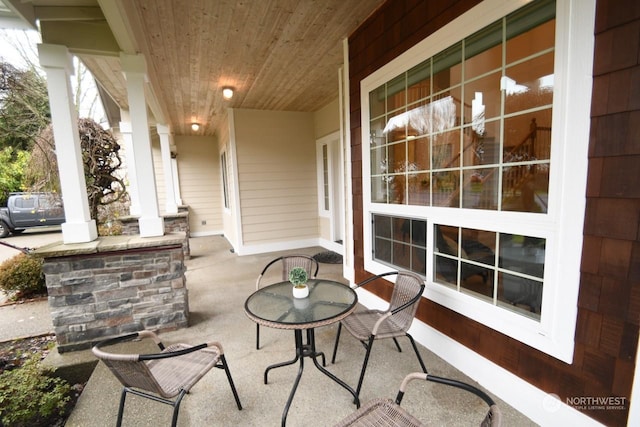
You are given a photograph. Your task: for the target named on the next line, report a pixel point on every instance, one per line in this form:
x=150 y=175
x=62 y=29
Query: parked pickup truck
x=28 y=210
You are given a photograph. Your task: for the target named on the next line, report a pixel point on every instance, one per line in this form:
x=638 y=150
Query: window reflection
x=487 y=149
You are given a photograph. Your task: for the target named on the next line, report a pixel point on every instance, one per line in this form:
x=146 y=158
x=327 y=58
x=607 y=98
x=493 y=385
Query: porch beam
x=93 y=37
x=56 y=62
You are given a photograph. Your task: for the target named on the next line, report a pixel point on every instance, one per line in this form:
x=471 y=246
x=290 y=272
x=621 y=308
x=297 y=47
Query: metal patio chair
x=370 y=325
x=165 y=375
x=288 y=262
x=386 y=412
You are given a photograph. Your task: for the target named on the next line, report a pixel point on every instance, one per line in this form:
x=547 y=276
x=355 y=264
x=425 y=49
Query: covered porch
x=219 y=283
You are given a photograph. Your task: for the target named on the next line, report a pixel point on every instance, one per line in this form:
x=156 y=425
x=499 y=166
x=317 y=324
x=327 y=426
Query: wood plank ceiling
x=276 y=54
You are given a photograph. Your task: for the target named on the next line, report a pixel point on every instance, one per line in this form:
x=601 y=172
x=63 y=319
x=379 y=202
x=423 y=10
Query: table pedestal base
x=302 y=351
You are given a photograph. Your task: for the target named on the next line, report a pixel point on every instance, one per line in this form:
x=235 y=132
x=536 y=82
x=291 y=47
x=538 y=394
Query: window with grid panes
x=459 y=154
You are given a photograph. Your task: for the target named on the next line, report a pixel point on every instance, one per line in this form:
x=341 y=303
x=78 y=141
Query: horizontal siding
x=200 y=184
x=277 y=176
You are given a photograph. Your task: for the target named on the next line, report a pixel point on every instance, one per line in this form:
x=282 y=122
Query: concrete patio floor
x=219 y=282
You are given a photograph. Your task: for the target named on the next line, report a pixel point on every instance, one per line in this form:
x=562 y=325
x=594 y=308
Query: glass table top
x=275 y=306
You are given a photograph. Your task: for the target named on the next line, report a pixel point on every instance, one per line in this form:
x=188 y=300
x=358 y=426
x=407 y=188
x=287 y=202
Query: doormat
x=328 y=257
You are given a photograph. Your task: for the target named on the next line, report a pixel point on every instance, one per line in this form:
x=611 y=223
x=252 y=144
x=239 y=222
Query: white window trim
x=226 y=204
x=325 y=141
x=562 y=226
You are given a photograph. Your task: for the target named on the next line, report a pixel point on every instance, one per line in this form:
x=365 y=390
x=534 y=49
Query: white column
x=57 y=63
x=150 y=222
x=132 y=175
x=176 y=179
x=165 y=150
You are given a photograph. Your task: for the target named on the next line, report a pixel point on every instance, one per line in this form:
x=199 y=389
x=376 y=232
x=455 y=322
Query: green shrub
x=30 y=395
x=22 y=274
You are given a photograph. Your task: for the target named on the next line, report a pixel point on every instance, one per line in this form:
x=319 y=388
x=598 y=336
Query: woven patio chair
x=287 y=263
x=370 y=325
x=162 y=376
x=386 y=412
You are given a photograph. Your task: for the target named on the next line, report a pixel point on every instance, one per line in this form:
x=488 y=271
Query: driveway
x=32 y=238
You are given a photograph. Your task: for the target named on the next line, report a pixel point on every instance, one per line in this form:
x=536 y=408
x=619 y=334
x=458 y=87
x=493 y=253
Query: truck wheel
x=4 y=229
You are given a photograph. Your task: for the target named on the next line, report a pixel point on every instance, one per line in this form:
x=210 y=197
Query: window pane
x=418 y=153
x=382 y=226
x=398 y=157
x=474 y=278
x=529 y=84
x=396 y=93
x=525 y=188
x=419 y=190
x=522 y=254
x=445 y=189
x=325 y=176
x=447 y=68
x=396 y=127
x=480 y=190
x=445 y=269
x=419 y=119
x=482 y=149
x=479 y=246
x=531 y=42
x=446 y=150
x=401 y=255
x=379 y=189
x=419 y=258
x=486 y=91
x=382 y=250
x=483 y=51
x=528 y=137
x=419 y=82
x=377 y=100
x=379 y=160
x=520 y=294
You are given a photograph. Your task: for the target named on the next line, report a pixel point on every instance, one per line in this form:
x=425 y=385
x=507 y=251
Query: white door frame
x=335 y=189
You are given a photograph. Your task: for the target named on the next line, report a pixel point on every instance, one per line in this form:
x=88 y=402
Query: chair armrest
x=168 y=354
x=374 y=330
x=101 y=354
x=410 y=377
x=372 y=278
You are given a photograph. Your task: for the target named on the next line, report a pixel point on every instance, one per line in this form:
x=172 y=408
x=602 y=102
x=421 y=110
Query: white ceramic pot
x=300 y=292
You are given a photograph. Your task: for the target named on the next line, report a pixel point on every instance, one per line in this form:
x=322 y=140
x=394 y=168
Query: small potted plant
x=298 y=278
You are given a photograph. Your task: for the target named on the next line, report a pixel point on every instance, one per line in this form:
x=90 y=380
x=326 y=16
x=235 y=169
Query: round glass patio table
x=274 y=306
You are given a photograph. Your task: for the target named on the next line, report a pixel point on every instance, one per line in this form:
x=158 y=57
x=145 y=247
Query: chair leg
x=415 y=348
x=176 y=408
x=364 y=365
x=335 y=346
x=397 y=345
x=257 y=336
x=123 y=397
x=223 y=362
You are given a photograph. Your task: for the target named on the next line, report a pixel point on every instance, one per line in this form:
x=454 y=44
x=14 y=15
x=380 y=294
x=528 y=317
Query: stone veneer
x=173 y=223
x=113 y=286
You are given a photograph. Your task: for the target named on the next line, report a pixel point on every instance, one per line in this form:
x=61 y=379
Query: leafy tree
x=12 y=165
x=101 y=159
x=24 y=106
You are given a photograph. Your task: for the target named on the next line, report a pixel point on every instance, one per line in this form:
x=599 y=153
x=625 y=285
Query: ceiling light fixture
x=195 y=126
x=227 y=92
